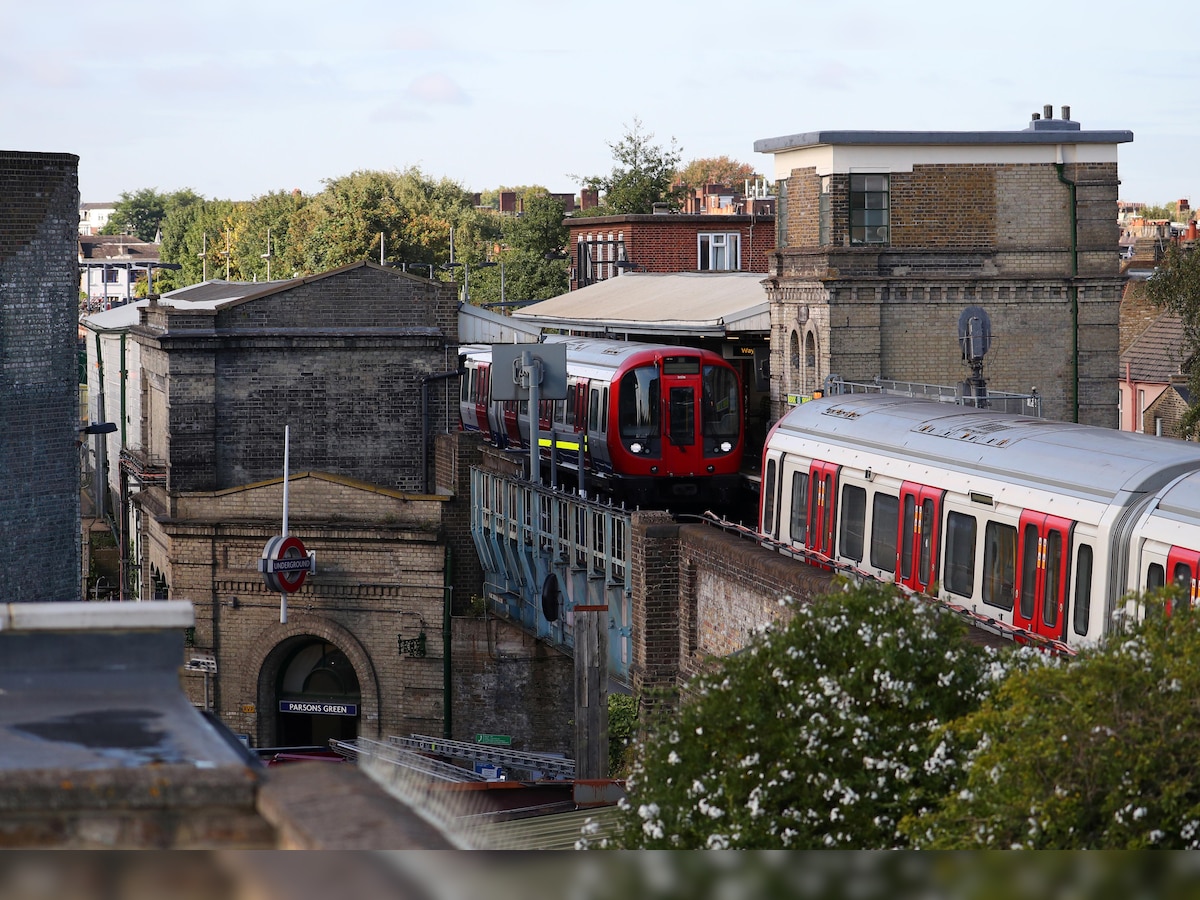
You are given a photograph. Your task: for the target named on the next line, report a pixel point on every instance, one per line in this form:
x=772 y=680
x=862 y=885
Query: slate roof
x=1158 y=353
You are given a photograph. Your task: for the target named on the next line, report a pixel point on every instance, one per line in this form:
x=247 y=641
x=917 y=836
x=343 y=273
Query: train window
x=1182 y=576
x=637 y=403
x=1083 y=588
x=928 y=514
x=960 y=554
x=885 y=512
x=799 y=526
x=572 y=396
x=1029 y=570
x=854 y=521
x=560 y=410
x=768 y=499
x=682 y=422
x=464 y=386
x=910 y=524
x=604 y=412
x=483 y=396
x=1156 y=577
x=999 y=564
x=594 y=410
x=1054 y=561
x=719 y=406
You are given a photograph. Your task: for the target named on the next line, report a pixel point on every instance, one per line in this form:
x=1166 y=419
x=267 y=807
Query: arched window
x=794 y=375
x=812 y=379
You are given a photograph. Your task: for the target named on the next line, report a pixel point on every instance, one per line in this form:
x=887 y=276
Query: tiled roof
x=1158 y=353
x=116 y=247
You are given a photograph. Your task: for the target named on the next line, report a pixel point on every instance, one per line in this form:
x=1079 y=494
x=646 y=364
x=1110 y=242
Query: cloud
x=436 y=89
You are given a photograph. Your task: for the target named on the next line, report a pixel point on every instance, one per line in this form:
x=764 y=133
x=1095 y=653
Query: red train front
x=659 y=425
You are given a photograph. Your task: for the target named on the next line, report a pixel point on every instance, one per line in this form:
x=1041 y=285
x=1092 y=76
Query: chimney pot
x=1036 y=116
x=1066 y=113
x=1048 y=111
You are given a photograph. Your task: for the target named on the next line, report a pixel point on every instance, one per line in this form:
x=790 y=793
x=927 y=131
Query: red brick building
x=602 y=246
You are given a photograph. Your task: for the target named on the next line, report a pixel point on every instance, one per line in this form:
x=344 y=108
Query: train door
x=681 y=385
x=917 y=543
x=1183 y=569
x=481 y=395
x=822 y=506
x=512 y=427
x=1043 y=571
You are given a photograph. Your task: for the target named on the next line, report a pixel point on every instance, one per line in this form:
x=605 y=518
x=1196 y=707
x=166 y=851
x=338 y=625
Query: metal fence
x=1024 y=404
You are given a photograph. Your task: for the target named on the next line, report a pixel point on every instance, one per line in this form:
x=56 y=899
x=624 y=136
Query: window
x=799 y=526
x=1156 y=577
x=869 y=209
x=1029 y=570
x=1054 y=553
x=594 y=410
x=720 y=399
x=885 y=513
x=854 y=515
x=960 y=554
x=719 y=252
x=825 y=213
x=112 y=276
x=1083 y=588
x=999 y=564
x=768 y=499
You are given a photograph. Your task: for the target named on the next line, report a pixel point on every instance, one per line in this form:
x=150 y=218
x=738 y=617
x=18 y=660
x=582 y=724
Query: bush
x=824 y=732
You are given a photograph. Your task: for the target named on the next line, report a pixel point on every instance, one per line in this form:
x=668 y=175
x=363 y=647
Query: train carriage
x=1039 y=524
x=654 y=425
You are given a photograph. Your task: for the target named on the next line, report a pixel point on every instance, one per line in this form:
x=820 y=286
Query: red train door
x=917 y=543
x=822 y=506
x=681 y=446
x=481 y=398
x=1183 y=570
x=1043 y=570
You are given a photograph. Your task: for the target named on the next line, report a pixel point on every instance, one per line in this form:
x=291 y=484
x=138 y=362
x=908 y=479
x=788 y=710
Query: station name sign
x=319 y=708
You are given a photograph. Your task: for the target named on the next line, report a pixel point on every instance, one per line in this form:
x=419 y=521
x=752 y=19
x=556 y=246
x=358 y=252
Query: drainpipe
x=1073 y=289
x=447 y=592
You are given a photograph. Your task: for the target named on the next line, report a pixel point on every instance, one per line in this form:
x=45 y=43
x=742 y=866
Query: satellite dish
x=974 y=332
x=550 y=598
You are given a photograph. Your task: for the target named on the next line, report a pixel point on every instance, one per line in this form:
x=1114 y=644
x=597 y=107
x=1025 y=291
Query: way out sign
x=285 y=564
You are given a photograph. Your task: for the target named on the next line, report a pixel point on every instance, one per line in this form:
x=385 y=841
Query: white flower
x=673 y=758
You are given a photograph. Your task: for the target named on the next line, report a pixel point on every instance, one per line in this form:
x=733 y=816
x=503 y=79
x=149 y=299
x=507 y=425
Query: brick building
x=601 y=247
x=39 y=376
x=359 y=363
x=885 y=238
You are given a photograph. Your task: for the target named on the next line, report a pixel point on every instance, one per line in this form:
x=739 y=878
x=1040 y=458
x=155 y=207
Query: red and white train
x=1039 y=525
x=657 y=424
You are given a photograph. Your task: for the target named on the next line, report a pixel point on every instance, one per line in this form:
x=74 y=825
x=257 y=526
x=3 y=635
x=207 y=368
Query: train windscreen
x=720 y=403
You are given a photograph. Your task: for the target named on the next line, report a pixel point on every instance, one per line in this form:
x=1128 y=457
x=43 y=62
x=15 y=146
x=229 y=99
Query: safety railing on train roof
x=1023 y=404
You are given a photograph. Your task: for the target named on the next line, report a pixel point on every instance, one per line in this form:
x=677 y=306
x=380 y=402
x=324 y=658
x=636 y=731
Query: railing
x=546 y=551
x=1024 y=404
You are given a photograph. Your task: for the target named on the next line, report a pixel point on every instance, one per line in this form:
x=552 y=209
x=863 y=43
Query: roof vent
x=1045 y=121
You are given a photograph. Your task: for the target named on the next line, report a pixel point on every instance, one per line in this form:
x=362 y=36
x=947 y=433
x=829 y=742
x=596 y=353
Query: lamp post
x=99 y=429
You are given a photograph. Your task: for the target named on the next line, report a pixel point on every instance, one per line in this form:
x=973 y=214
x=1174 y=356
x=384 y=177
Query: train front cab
x=1026 y=568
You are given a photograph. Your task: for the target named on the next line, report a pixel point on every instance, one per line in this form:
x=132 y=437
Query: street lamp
x=98 y=429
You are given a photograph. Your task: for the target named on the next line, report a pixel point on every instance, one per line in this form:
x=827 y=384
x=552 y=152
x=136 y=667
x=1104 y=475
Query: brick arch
x=274 y=644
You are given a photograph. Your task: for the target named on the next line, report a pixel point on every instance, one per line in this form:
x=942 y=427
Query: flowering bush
x=824 y=732
x=1099 y=752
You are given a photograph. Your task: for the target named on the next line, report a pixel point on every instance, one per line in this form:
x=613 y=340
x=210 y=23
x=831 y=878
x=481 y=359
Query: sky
x=238 y=99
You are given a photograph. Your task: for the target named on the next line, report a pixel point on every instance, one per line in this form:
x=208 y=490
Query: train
x=655 y=425
x=1046 y=528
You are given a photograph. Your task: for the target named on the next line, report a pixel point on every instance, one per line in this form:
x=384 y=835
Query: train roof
x=1085 y=460
x=600 y=353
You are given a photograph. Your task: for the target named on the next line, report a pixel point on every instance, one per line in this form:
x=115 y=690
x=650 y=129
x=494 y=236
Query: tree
x=1098 y=753
x=825 y=732
x=531 y=243
x=644 y=174
x=1175 y=285
x=142 y=212
x=714 y=170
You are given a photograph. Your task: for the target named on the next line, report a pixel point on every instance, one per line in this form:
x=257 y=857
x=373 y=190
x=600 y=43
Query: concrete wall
x=39 y=394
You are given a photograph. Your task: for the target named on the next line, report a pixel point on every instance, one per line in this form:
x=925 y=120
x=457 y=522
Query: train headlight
x=726 y=446
x=635 y=448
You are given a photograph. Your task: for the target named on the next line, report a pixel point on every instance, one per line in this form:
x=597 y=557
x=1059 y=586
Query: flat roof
x=1047 y=134
x=703 y=303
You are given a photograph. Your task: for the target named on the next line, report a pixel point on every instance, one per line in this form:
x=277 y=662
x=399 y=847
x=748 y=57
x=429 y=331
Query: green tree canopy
x=643 y=174
x=1096 y=753
x=142 y=212
x=1175 y=286
x=825 y=732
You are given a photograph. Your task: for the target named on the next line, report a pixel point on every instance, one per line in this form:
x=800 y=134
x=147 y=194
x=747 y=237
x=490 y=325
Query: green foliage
x=622 y=722
x=143 y=212
x=1175 y=286
x=1097 y=753
x=644 y=174
x=825 y=732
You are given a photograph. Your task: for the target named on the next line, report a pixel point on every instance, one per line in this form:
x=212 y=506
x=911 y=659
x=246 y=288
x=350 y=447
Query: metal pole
x=286 y=443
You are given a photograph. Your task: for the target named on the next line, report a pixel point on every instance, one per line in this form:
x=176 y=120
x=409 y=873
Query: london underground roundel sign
x=285 y=564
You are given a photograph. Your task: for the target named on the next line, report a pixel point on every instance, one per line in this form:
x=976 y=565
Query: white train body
x=1040 y=525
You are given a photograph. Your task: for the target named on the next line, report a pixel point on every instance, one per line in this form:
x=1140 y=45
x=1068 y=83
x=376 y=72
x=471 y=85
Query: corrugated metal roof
x=557 y=831
x=705 y=303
